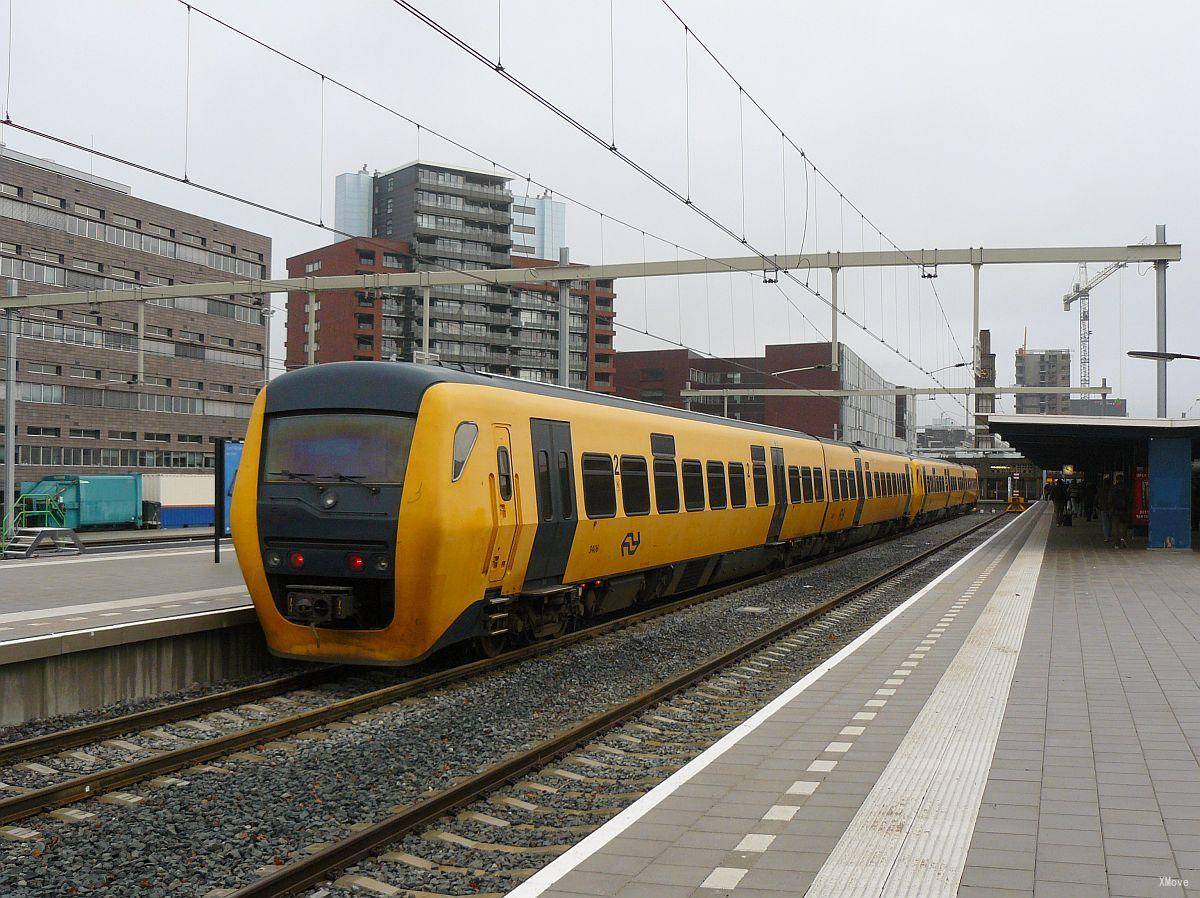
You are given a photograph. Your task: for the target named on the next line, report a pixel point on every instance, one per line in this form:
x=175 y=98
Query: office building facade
x=1043 y=368
x=539 y=227
x=82 y=407
x=661 y=376
x=353 y=198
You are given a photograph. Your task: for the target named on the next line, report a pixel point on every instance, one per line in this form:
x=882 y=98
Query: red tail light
x=296 y=560
x=355 y=562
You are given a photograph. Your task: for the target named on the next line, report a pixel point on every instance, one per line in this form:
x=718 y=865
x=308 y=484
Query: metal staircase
x=38 y=527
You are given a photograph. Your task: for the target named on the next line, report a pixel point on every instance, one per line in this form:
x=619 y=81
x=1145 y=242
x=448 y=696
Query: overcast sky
x=948 y=124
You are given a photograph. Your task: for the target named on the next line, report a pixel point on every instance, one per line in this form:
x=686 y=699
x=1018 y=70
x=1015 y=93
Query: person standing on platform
x=1104 y=505
x=1048 y=490
x=1076 y=493
x=1120 y=511
x=1089 y=499
x=1059 y=496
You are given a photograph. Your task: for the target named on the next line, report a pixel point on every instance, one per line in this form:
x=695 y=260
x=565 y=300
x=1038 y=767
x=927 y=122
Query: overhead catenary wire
x=653 y=178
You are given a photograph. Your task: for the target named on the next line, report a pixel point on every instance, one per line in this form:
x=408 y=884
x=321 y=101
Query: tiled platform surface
x=1084 y=782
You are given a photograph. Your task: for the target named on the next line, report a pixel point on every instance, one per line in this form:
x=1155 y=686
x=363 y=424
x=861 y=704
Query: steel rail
x=88 y=733
x=318 y=866
x=89 y=785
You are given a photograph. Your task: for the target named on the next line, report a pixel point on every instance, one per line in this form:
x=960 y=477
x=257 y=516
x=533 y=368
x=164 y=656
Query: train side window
x=716 y=484
x=852 y=477
x=504 y=473
x=599 y=491
x=464 y=442
x=835 y=494
x=693 y=485
x=869 y=489
x=737 y=484
x=666 y=486
x=893 y=486
x=760 y=483
x=545 y=503
x=878 y=485
x=635 y=485
x=844 y=483
x=807 y=481
x=819 y=484
x=797 y=494
x=565 y=486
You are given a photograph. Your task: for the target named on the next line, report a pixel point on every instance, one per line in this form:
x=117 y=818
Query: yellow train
x=385 y=511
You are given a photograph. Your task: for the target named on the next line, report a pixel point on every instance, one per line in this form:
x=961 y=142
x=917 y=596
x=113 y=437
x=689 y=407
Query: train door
x=779 y=478
x=862 y=493
x=554 y=478
x=505 y=517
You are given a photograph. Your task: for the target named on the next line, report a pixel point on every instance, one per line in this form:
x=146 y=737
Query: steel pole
x=564 y=323
x=141 y=343
x=425 y=324
x=833 y=322
x=312 y=327
x=976 y=352
x=10 y=420
x=1160 y=308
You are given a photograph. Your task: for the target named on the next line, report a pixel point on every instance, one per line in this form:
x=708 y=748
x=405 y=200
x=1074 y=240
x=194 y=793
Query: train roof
x=399 y=386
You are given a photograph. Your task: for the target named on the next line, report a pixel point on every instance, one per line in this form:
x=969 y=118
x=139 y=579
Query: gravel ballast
x=237 y=815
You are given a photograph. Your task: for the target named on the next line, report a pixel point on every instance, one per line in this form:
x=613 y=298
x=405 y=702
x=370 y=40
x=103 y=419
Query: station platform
x=86 y=630
x=1028 y=724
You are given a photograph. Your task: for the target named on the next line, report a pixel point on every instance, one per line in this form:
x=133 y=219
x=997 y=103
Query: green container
x=92 y=501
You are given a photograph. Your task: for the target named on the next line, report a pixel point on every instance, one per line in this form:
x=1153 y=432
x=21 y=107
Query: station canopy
x=1089 y=443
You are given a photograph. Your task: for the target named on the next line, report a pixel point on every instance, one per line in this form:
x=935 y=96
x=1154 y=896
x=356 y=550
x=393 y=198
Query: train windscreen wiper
x=295 y=475
x=356 y=479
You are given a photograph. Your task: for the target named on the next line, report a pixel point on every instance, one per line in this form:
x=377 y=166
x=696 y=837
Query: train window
x=868 y=488
x=662 y=445
x=819 y=484
x=853 y=476
x=599 y=491
x=504 y=473
x=635 y=485
x=806 y=482
x=844 y=483
x=693 y=485
x=760 y=483
x=737 y=484
x=794 y=488
x=878 y=483
x=835 y=494
x=666 y=486
x=893 y=489
x=545 y=502
x=565 y=485
x=716 y=484
x=464 y=442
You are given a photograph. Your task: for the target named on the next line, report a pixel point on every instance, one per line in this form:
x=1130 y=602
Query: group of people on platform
x=1085 y=498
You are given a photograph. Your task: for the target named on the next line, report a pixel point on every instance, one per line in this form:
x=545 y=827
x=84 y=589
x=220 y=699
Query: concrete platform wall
x=60 y=675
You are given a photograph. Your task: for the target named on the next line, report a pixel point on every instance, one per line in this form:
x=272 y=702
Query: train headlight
x=355 y=562
x=274 y=559
x=382 y=564
x=329 y=500
x=296 y=560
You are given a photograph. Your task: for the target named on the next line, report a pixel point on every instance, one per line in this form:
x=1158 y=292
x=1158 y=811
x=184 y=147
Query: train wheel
x=492 y=645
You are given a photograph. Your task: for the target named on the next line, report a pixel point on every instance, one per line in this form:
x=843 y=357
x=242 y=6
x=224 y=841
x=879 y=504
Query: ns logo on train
x=629 y=545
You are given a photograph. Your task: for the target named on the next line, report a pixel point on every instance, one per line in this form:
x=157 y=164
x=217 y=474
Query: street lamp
x=797 y=370
x=1160 y=356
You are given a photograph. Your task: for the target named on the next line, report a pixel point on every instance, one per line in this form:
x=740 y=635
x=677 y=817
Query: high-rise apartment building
x=515 y=334
x=1043 y=368
x=445 y=217
x=81 y=406
x=539 y=226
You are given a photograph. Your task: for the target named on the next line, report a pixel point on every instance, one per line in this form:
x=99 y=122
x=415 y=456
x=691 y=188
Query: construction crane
x=1081 y=290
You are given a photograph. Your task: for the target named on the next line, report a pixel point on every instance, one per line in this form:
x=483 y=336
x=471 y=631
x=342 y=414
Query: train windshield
x=318 y=447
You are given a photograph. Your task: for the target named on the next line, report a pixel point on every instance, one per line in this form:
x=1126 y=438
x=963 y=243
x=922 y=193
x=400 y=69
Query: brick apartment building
x=81 y=407
x=513 y=331
x=660 y=376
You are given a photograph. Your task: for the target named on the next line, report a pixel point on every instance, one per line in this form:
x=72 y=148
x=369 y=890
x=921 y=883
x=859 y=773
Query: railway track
x=673 y=743
x=193 y=751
